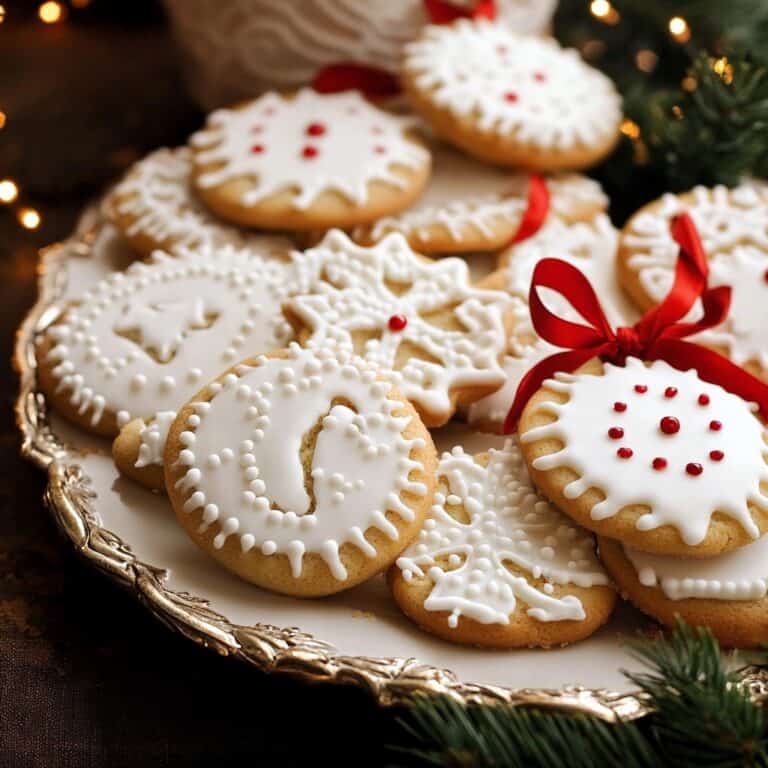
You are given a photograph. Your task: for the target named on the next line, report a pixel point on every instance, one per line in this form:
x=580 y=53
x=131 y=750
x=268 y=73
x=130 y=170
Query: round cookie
x=590 y=246
x=733 y=225
x=513 y=100
x=307 y=161
x=419 y=318
x=650 y=455
x=470 y=206
x=726 y=593
x=305 y=471
x=138 y=449
x=154 y=207
x=145 y=340
x=496 y=564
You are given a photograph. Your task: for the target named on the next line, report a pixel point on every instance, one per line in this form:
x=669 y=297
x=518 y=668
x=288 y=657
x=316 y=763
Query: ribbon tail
x=545 y=369
x=536 y=209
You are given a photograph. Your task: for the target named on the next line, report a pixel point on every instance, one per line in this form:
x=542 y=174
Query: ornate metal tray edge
x=69 y=497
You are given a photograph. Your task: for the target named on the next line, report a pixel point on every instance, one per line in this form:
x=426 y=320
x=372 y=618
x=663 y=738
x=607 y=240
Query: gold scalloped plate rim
x=392 y=680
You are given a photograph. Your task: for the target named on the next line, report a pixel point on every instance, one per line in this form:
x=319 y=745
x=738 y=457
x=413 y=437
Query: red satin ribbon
x=658 y=335
x=444 y=12
x=536 y=209
x=374 y=83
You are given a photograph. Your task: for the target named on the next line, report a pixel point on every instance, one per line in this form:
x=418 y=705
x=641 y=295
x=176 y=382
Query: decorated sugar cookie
x=304 y=472
x=154 y=207
x=145 y=340
x=733 y=224
x=307 y=161
x=589 y=245
x=650 y=455
x=512 y=100
x=419 y=318
x=471 y=206
x=496 y=564
x=728 y=593
x=139 y=447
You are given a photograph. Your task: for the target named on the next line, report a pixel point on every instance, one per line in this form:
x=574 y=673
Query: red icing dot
x=619 y=407
x=641 y=389
x=379 y=149
x=615 y=433
x=703 y=399
x=624 y=453
x=539 y=77
x=659 y=463
x=397 y=322
x=315 y=129
x=715 y=425
x=669 y=425
x=511 y=96
x=670 y=391
x=309 y=152
x=694 y=468
x=716 y=455
x=257 y=149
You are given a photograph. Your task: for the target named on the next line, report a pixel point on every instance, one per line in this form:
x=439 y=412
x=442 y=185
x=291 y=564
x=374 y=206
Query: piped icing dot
x=715 y=425
x=703 y=399
x=716 y=455
x=615 y=433
x=669 y=425
x=511 y=96
x=315 y=129
x=397 y=322
x=641 y=389
x=540 y=77
x=670 y=392
x=257 y=149
x=694 y=468
x=309 y=152
x=625 y=453
x=619 y=407
x=659 y=463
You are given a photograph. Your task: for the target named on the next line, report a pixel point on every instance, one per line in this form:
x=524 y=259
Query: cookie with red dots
x=650 y=455
x=512 y=100
x=727 y=593
x=308 y=161
x=733 y=225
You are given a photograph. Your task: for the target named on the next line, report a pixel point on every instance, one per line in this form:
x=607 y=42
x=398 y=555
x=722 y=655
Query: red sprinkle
x=669 y=425
x=624 y=453
x=670 y=391
x=397 y=322
x=715 y=425
x=309 y=152
x=703 y=399
x=615 y=433
x=659 y=463
x=539 y=77
x=694 y=468
x=257 y=149
x=716 y=455
x=619 y=407
x=511 y=96
x=641 y=389
x=315 y=129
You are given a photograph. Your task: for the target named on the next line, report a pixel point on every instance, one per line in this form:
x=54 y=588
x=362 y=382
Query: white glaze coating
x=152 y=438
x=673 y=495
x=590 y=246
x=544 y=95
x=244 y=468
x=738 y=575
x=145 y=340
x=509 y=524
x=733 y=225
x=157 y=195
x=363 y=288
x=465 y=197
x=266 y=141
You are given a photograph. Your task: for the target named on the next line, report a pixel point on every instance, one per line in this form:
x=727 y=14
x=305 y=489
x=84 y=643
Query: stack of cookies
x=301 y=315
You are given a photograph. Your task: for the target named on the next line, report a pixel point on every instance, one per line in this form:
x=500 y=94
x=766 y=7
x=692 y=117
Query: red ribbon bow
x=658 y=335
x=444 y=12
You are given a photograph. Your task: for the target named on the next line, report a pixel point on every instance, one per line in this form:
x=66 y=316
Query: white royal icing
x=244 y=468
x=672 y=495
x=467 y=198
x=351 y=144
x=527 y=86
x=152 y=439
x=590 y=246
x=157 y=195
x=145 y=340
x=509 y=523
x=741 y=574
x=362 y=289
x=733 y=225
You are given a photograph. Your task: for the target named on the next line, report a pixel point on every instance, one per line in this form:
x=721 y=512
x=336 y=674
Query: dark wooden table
x=87 y=677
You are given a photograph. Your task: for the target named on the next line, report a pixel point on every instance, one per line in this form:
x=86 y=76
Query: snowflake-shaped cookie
x=502 y=543
x=407 y=314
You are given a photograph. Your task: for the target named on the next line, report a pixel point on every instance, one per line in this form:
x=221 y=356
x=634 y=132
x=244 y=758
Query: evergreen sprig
x=700 y=716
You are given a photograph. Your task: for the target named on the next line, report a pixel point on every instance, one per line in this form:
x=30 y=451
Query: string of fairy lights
x=54 y=12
